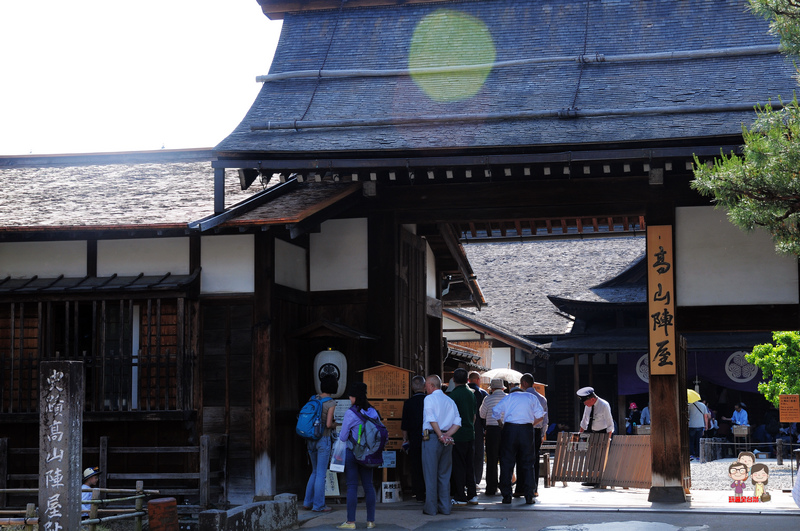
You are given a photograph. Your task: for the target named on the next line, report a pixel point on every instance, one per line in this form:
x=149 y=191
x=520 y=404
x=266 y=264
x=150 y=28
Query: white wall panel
x=45 y=259
x=151 y=256
x=501 y=358
x=719 y=264
x=338 y=255
x=290 y=265
x=430 y=272
x=228 y=264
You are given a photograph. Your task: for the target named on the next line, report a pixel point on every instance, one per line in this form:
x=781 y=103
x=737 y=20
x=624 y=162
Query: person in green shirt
x=462 y=480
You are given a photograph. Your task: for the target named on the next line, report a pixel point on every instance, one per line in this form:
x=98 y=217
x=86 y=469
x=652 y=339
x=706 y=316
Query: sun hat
x=89 y=472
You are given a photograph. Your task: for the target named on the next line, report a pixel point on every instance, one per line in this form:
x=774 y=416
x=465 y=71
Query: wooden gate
x=580 y=457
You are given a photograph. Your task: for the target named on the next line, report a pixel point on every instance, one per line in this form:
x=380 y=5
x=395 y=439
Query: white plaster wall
x=430 y=272
x=290 y=265
x=228 y=264
x=719 y=264
x=455 y=331
x=338 y=255
x=151 y=256
x=45 y=259
x=501 y=358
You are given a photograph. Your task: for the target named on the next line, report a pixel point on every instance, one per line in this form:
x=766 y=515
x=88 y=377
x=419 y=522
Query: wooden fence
x=629 y=463
x=623 y=461
x=27 y=517
x=204 y=487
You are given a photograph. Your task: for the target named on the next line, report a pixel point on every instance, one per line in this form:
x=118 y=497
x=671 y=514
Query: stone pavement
x=577 y=508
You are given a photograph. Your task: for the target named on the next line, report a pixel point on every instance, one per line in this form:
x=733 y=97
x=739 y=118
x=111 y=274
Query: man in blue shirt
x=517 y=413
x=739 y=417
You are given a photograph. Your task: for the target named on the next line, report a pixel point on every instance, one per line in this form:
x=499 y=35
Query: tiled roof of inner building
x=517 y=277
x=111 y=195
x=655 y=70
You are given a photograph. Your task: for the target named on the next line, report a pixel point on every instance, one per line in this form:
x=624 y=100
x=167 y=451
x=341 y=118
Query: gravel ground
x=713 y=475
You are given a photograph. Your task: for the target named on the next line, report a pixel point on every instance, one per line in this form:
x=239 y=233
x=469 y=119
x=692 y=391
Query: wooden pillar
x=382 y=311
x=102 y=462
x=576 y=384
x=219 y=190
x=61 y=392
x=667 y=362
x=3 y=470
x=264 y=437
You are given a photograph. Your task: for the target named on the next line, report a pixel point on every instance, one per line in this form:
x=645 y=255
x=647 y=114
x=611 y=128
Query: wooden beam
x=276 y=9
x=451 y=240
x=756 y=318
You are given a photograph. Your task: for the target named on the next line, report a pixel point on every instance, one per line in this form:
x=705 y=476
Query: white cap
x=585 y=392
x=89 y=472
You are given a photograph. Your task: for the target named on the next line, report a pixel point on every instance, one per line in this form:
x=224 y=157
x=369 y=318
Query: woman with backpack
x=352 y=426
x=319 y=451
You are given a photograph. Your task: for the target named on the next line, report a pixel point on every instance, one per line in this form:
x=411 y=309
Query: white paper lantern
x=331 y=363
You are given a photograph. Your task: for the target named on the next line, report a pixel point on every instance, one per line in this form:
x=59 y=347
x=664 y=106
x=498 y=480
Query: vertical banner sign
x=61 y=395
x=661 y=299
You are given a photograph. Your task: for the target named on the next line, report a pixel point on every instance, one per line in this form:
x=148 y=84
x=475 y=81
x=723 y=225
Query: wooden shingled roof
x=566 y=75
x=158 y=190
x=517 y=277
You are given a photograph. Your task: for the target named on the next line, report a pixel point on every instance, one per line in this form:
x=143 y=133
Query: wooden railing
x=27 y=517
x=205 y=487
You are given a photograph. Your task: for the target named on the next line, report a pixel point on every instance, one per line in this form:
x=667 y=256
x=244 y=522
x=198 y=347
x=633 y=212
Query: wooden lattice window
x=133 y=351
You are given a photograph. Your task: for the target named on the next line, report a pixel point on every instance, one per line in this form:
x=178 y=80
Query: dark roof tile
x=379 y=38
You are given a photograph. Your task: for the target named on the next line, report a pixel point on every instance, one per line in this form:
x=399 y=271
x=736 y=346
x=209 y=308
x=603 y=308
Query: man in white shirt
x=597 y=413
x=492 y=435
x=516 y=414
x=440 y=420
x=596 y=416
x=698 y=424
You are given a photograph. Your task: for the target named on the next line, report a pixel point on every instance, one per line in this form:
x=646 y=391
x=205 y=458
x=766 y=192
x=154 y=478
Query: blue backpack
x=372 y=438
x=310 y=424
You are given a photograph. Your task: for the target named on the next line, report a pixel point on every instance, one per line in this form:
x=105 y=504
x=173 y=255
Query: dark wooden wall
x=227 y=355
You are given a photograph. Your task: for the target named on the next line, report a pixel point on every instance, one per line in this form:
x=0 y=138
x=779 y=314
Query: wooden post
x=61 y=392
x=205 y=466
x=94 y=508
x=667 y=393
x=139 y=504
x=264 y=435
x=3 y=470
x=576 y=379
x=30 y=512
x=102 y=462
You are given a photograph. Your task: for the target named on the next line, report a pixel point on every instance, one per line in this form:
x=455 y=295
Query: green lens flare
x=449 y=38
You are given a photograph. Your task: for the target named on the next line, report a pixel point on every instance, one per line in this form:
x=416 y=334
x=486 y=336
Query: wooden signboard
x=387 y=381
x=393 y=427
x=661 y=299
x=790 y=408
x=389 y=409
x=61 y=388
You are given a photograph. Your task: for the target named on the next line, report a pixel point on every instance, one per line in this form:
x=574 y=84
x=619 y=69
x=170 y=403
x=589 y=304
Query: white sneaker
x=458 y=503
x=473 y=501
